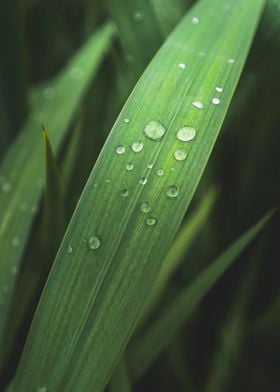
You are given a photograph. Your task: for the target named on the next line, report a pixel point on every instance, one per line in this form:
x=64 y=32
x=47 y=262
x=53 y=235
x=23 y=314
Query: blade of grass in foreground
x=135 y=200
x=143 y=352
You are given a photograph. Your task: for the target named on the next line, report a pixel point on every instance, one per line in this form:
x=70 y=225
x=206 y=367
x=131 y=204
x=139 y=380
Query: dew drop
x=49 y=93
x=143 y=181
x=216 y=101
x=230 y=61
x=182 y=65
x=120 y=150
x=126 y=120
x=145 y=207
x=137 y=146
x=129 y=166
x=76 y=73
x=70 y=249
x=150 y=165
x=94 y=242
x=42 y=389
x=138 y=16
x=180 y=155
x=151 y=221
x=195 y=20
x=186 y=134
x=15 y=242
x=107 y=180
x=219 y=89
x=172 y=191
x=6 y=187
x=197 y=104
x=124 y=192
x=154 y=130
x=160 y=172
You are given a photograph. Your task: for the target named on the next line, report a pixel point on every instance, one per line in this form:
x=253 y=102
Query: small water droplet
x=202 y=54
x=172 y=191
x=94 y=242
x=154 y=130
x=160 y=172
x=120 y=150
x=195 y=20
x=49 y=93
x=230 y=61
x=126 y=120
x=186 y=134
x=150 y=165
x=6 y=187
x=182 y=65
x=180 y=155
x=143 y=181
x=197 y=104
x=145 y=207
x=138 y=16
x=15 y=242
x=137 y=146
x=95 y=185
x=216 y=101
x=129 y=166
x=76 y=73
x=107 y=180
x=70 y=249
x=219 y=89
x=124 y=192
x=42 y=389
x=151 y=221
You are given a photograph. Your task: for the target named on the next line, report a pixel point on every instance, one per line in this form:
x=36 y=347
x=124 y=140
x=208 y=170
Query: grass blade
x=120 y=381
x=23 y=169
x=79 y=324
x=143 y=352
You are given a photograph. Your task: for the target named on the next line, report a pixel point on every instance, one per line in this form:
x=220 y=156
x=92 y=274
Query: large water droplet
x=197 y=104
x=124 y=192
x=180 y=155
x=172 y=191
x=137 y=146
x=151 y=221
x=129 y=166
x=154 y=130
x=94 y=242
x=120 y=150
x=195 y=20
x=143 y=181
x=49 y=93
x=160 y=172
x=145 y=207
x=216 y=101
x=186 y=134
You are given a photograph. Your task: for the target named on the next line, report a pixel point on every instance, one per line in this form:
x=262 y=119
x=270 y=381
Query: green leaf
x=23 y=169
x=144 y=351
x=120 y=381
x=94 y=296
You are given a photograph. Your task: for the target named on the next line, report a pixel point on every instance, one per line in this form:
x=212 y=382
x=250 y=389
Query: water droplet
x=150 y=165
x=49 y=93
x=120 y=150
x=76 y=73
x=6 y=187
x=107 y=180
x=138 y=16
x=172 y=191
x=70 y=249
x=126 y=120
x=230 y=61
x=124 y=192
x=42 y=389
x=216 y=101
x=186 y=134
x=151 y=221
x=219 y=89
x=160 y=172
x=15 y=242
x=95 y=185
x=143 y=181
x=145 y=207
x=137 y=146
x=182 y=65
x=94 y=242
x=154 y=130
x=195 y=20
x=129 y=166
x=180 y=155
x=197 y=104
